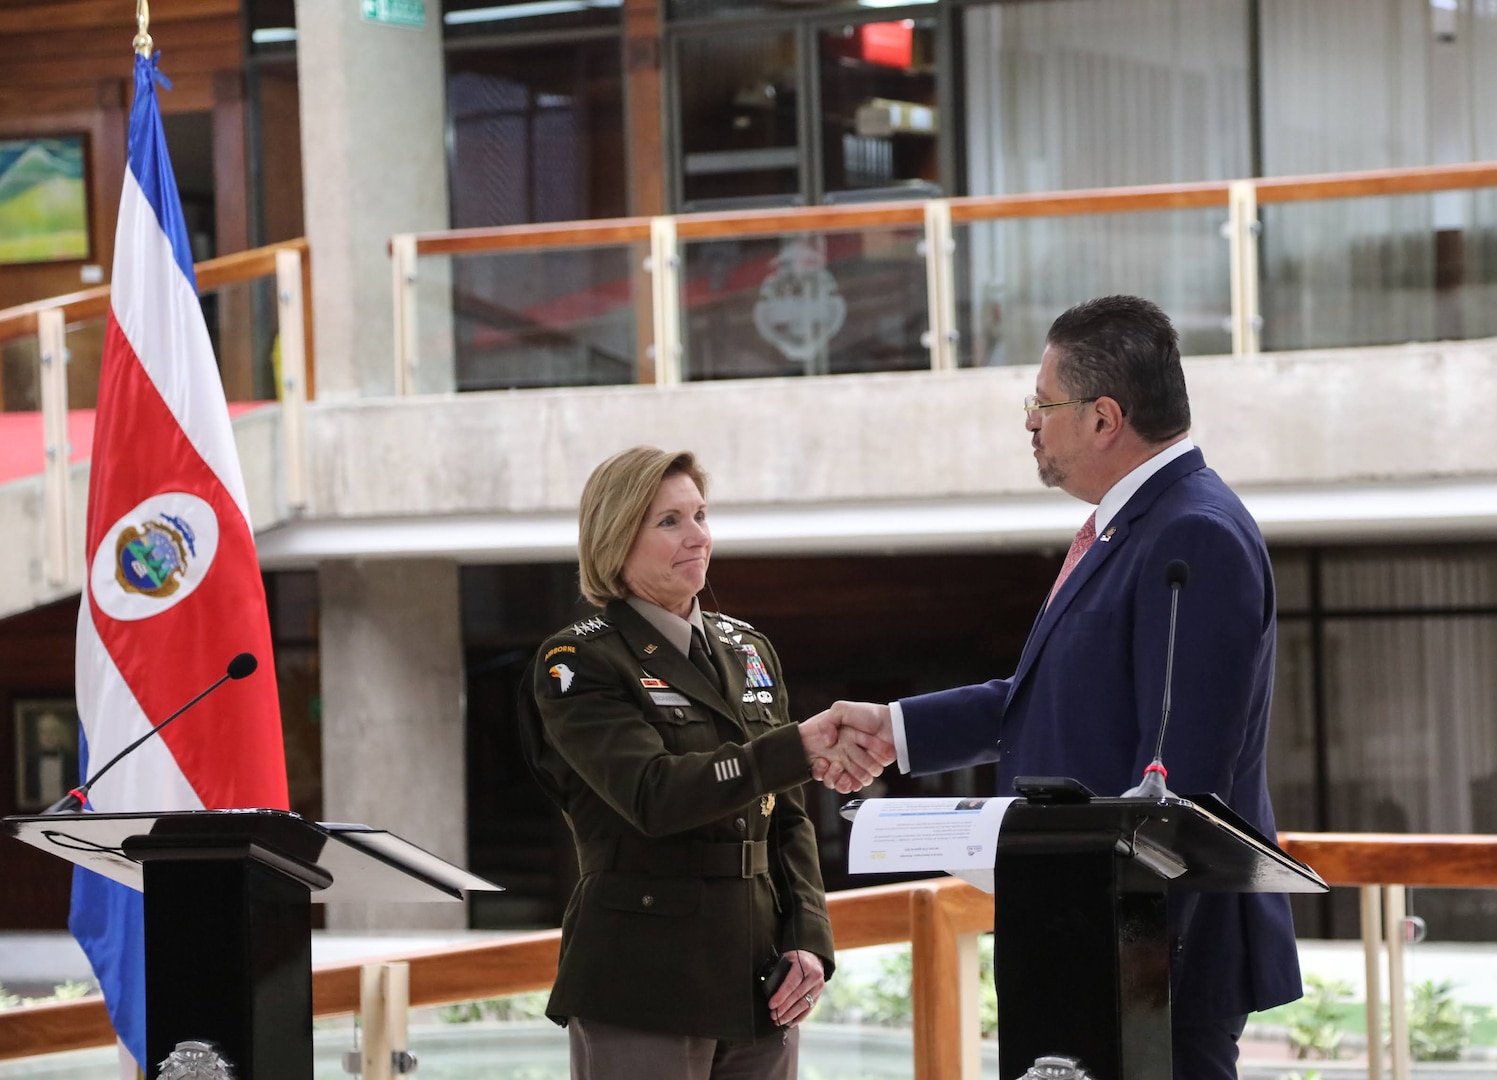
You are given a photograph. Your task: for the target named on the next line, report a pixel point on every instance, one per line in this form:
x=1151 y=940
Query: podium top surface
x=1196 y=841
x=357 y=863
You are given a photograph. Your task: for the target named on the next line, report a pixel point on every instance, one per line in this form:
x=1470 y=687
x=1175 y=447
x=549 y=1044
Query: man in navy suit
x=1109 y=424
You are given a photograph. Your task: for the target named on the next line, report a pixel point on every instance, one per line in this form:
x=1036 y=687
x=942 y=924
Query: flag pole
x=142 y=43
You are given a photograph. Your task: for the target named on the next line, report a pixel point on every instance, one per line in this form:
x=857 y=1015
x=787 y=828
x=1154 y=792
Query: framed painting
x=44 y=199
x=46 y=751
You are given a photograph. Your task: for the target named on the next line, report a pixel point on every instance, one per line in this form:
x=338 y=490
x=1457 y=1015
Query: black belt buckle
x=747 y=868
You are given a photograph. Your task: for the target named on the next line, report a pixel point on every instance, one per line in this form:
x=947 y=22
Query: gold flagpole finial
x=142 y=42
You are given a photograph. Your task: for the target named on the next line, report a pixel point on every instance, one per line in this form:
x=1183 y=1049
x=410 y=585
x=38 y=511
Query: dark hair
x=1124 y=347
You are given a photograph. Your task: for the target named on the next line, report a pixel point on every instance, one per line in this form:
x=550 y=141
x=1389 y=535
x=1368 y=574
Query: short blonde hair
x=614 y=502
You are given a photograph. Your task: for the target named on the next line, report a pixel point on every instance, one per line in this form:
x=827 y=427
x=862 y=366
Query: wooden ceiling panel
x=39 y=16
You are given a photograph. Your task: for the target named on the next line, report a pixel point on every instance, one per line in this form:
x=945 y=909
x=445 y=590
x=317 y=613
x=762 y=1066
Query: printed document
x=957 y=836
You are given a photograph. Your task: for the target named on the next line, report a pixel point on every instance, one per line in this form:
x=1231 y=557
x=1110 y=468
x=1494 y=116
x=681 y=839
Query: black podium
x=228 y=897
x=1081 y=954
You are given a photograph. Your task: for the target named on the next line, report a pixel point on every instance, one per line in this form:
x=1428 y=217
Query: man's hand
x=849 y=744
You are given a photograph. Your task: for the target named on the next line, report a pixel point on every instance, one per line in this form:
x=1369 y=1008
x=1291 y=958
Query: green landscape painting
x=43 y=200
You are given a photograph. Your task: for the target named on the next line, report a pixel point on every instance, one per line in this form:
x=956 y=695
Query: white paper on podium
x=957 y=836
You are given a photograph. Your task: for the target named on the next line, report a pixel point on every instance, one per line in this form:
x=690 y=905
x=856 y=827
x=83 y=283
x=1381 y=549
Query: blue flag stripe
x=152 y=165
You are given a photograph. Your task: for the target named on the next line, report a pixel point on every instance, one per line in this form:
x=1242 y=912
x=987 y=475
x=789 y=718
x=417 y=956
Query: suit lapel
x=665 y=662
x=1108 y=541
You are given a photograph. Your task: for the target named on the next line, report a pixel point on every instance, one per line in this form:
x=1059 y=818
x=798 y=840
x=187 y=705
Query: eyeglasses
x=1032 y=404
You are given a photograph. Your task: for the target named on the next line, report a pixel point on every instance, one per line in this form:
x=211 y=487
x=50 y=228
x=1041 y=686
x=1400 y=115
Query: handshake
x=849 y=744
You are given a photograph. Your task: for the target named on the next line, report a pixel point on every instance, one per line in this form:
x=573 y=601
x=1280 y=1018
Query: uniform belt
x=695 y=858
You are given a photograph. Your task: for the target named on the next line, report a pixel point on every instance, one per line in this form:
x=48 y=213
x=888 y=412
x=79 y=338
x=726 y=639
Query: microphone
x=241 y=666
x=1176 y=574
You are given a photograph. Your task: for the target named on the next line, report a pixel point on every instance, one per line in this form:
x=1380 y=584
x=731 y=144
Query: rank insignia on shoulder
x=753 y=666
x=730 y=623
x=589 y=626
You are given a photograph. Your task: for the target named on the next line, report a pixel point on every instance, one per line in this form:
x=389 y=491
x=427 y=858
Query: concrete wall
x=1336 y=417
x=1401 y=419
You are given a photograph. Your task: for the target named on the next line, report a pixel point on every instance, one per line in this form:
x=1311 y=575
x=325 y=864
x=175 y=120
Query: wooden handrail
x=964 y=210
x=1429 y=861
x=20 y=321
x=1096 y=201
x=941 y=908
x=566 y=234
x=1415 y=181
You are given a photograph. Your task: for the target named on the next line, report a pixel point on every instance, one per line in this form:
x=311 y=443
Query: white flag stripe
x=169 y=338
x=112 y=721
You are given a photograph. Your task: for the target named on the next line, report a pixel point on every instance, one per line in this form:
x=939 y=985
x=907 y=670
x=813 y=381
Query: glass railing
x=255 y=306
x=1242 y=266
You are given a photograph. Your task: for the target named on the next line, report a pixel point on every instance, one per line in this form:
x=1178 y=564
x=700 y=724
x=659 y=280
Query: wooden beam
x=644 y=139
x=45 y=16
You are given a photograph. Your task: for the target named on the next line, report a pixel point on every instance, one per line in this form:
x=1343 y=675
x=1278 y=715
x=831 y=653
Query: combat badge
x=195 y=1061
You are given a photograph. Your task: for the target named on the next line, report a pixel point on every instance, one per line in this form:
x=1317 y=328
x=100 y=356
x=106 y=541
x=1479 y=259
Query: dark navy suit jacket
x=1086 y=701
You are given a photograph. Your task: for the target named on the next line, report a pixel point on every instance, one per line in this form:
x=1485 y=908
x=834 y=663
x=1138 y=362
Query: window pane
x=1087 y=93
x=879 y=121
x=739 y=127
x=537 y=134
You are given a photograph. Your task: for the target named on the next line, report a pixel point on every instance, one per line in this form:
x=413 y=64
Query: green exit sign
x=411 y=13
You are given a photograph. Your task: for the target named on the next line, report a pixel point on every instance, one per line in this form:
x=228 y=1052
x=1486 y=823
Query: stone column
x=392 y=718
x=374 y=164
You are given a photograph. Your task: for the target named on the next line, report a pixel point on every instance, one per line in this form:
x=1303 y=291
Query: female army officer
x=664 y=734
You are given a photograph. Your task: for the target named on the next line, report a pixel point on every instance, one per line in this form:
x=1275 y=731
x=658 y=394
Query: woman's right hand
x=849 y=744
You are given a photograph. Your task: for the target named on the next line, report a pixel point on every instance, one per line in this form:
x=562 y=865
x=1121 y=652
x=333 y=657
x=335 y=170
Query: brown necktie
x=702 y=659
x=1085 y=537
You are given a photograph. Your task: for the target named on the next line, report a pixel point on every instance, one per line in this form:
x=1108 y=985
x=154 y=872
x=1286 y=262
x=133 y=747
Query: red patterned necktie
x=1085 y=537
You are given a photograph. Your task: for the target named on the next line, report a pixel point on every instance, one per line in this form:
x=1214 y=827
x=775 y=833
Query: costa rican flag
x=173 y=590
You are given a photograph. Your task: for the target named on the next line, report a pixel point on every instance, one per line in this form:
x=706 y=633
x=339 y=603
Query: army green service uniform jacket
x=698 y=862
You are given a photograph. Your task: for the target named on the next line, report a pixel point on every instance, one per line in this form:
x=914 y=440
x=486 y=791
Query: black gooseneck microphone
x=1176 y=574
x=242 y=665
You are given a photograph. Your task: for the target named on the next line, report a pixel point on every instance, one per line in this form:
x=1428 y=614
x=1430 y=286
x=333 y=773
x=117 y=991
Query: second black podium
x=1081 y=953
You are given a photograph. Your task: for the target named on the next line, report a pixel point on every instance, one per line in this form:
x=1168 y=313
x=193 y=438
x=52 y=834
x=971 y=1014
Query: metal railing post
x=52 y=342
x=940 y=289
x=1242 y=234
x=665 y=292
x=293 y=374
x=1372 y=954
x=403 y=271
x=384 y=1008
x=1394 y=911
